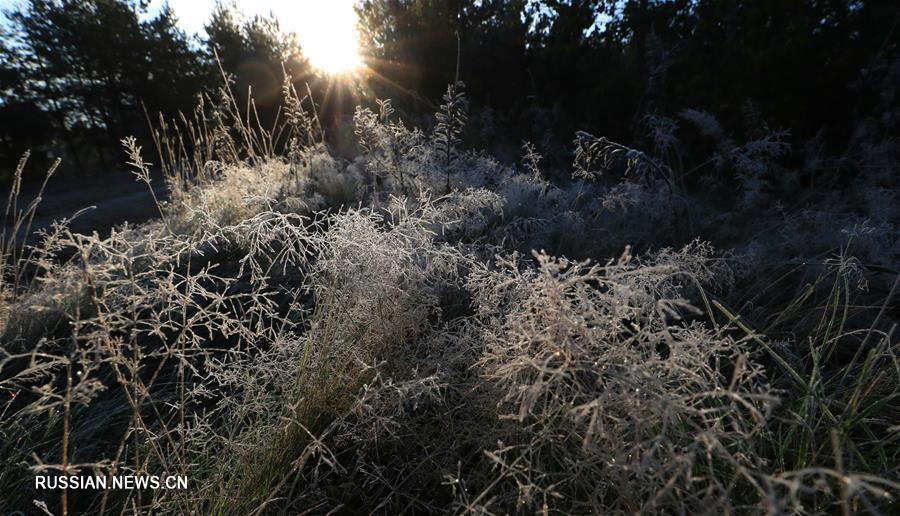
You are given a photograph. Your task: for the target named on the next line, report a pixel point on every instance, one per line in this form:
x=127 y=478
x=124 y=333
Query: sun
x=327 y=30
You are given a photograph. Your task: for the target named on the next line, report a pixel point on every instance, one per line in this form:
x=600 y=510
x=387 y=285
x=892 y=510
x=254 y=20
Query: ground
x=110 y=199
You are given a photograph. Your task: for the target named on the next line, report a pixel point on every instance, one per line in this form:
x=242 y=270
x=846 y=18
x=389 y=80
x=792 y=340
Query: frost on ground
x=424 y=329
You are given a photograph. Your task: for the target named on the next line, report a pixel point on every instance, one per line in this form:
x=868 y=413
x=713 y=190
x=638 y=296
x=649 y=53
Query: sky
x=308 y=18
x=193 y=14
x=326 y=28
x=292 y=14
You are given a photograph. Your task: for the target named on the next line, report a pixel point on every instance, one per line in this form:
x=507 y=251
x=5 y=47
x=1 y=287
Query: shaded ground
x=111 y=199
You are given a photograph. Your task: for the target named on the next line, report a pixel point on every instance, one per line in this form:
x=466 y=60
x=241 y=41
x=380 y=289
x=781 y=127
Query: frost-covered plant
x=304 y=130
x=327 y=182
x=385 y=276
x=451 y=120
x=619 y=407
x=393 y=151
x=299 y=335
x=750 y=161
x=531 y=159
x=242 y=192
x=594 y=156
x=464 y=216
x=663 y=133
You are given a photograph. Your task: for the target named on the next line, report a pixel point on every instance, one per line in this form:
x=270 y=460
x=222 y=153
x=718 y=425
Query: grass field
x=421 y=328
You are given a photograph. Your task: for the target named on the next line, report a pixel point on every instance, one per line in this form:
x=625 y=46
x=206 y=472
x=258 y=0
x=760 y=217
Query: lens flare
x=328 y=34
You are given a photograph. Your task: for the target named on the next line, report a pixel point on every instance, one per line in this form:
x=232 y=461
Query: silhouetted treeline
x=818 y=68
x=83 y=68
x=75 y=73
x=79 y=75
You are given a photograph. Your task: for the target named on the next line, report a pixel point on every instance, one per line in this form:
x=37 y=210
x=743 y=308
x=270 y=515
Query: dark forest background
x=644 y=261
x=76 y=76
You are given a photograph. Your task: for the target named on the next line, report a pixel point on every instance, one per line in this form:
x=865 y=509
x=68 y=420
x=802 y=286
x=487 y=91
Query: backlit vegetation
x=425 y=329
